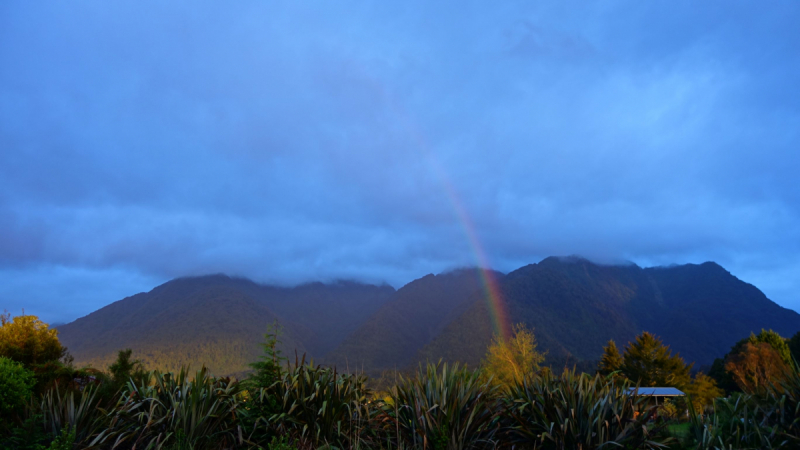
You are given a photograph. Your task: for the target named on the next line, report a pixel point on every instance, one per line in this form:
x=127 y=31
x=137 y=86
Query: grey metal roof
x=657 y=391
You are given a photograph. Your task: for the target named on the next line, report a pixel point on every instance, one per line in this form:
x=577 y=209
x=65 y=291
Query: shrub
x=319 y=406
x=441 y=408
x=736 y=423
x=577 y=411
x=166 y=409
x=16 y=384
x=28 y=435
x=73 y=410
x=64 y=441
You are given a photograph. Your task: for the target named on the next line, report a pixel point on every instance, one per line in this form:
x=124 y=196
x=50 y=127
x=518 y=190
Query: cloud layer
x=142 y=141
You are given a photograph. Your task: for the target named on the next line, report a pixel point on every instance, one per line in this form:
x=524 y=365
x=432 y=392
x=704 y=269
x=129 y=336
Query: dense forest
x=749 y=400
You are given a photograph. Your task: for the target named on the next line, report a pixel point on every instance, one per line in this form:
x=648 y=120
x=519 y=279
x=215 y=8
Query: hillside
x=219 y=321
x=416 y=314
x=576 y=306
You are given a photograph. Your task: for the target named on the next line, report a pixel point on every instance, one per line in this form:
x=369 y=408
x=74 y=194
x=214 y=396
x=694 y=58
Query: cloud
x=284 y=142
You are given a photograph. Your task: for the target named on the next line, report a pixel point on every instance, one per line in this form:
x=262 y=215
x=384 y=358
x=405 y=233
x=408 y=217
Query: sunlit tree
x=756 y=367
x=772 y=338
x=703 y=390
x=512 y=360
x=28 y=340
x=611 y=361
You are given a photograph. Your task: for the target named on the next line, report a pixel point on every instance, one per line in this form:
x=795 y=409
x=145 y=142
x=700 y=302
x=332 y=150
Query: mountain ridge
x=573 y=304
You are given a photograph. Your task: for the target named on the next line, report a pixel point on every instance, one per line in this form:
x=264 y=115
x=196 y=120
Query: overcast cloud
x=289 y=142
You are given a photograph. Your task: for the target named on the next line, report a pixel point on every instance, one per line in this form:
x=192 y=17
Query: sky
x=294 y=141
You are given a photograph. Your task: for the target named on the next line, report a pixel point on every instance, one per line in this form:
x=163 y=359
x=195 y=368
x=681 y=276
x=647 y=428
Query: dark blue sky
x=288 y=142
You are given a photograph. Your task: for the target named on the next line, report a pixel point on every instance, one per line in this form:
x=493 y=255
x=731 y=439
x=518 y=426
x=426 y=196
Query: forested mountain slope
x=219 y=321
x=576 y=306
x=416 y=314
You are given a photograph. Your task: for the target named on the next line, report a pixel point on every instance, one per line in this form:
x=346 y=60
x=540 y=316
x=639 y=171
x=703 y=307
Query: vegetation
x=28 y=340
x=753 y=362
x=317 y=406
x=16 y=387
x=611 y=361
x=573 y=304
x=513 y=360
x=443 y=407
x=510 y=401
x=578 y=411
x=648 y=362
x=220 y=321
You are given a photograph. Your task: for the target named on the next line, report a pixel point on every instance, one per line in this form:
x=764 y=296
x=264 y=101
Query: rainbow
x=494 y=299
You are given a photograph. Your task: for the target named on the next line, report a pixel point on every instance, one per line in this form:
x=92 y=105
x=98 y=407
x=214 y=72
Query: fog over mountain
x=288 y=143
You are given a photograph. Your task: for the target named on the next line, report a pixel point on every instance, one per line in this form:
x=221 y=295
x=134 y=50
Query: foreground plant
x=73 y=412
x=578 y=411
x=739 y=422
x=443 y=407
x=317 y=406
x=166 y=409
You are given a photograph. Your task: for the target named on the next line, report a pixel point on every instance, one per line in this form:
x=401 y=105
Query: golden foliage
x=756 y=367
x=703 y=391
x=28 y=340
x=512 y=361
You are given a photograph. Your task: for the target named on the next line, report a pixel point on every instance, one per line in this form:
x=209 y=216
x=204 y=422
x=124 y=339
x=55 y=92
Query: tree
x=611 y=360
x=648 y=362
x=772 y=338
x=784 y=348
x=268 y=370
x=703 y=390
x=125 y=368
x=756 y=367
x=28 y=340
x=513 y=360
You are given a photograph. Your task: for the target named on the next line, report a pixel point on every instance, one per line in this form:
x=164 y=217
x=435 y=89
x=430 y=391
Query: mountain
x=219 y=321
x=416 y=314
x=576 y=306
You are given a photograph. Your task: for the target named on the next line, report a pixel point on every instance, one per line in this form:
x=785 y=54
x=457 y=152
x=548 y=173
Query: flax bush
x=577 y=411
x=317 y=406
x=443 y=407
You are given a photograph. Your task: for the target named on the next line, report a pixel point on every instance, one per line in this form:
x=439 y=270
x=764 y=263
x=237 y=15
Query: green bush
x=65 y=440
x=27 y=435
x=16 y=384
x=443 y=407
